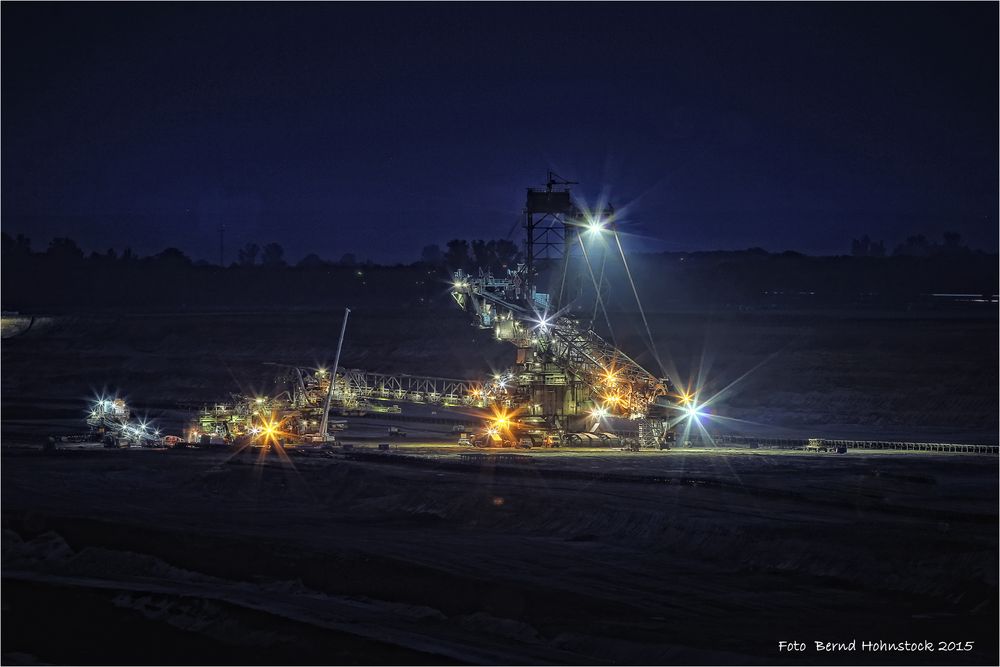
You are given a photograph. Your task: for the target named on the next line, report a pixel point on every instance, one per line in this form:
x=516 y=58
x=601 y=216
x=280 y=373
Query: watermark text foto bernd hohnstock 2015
x=875 y=646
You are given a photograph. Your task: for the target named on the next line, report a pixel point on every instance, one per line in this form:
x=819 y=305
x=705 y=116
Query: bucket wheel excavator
x=568 y=384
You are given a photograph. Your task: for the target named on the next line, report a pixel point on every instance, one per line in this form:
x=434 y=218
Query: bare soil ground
x=683 y=557
x=579 y=557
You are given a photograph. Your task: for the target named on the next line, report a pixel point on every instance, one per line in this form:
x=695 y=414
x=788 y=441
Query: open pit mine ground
x=433 y=553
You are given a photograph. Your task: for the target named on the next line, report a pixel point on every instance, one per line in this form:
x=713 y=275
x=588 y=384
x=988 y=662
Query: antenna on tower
x=556 y=179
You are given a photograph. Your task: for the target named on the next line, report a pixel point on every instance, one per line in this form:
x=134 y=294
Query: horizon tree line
x=495 y=254
x=460 y=253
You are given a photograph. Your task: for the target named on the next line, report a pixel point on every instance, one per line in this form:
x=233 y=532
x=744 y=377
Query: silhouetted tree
x=64 y=249
x=457 y=255
x=865 y=247
x=482 y=256
x=273 y=255
x=311 y=261
x=348 y=259
x=248 y=254
x=914 y=246
x=859 y=247
x=431 y=254
x=172 y=257
x=507 y=253
x=494 y=255
x=19 y=245
x=953 y=244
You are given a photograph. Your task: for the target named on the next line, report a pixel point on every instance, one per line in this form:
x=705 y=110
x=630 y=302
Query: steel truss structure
x=564 y=369
x=566 y=379
x=415 y=388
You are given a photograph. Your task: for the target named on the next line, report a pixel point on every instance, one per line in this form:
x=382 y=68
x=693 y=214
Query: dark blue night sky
x=377 y=129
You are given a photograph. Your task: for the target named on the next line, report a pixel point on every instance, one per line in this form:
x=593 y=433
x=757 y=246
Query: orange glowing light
x=270 y=430
x=686 y=397
x=502 y=420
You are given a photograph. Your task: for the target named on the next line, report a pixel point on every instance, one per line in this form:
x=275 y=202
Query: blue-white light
x=595 y=226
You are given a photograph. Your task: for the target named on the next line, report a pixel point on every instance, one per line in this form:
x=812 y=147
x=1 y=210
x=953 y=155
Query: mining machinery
x=568 y=385
x=295 y=412
x=567 y=380
x=110 y=422
x=296 y=407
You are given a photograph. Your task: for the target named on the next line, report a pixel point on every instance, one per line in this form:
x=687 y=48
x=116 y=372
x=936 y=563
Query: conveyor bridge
x=411 y=388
